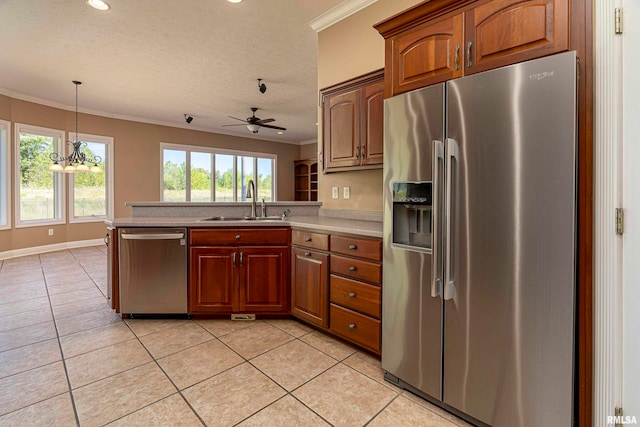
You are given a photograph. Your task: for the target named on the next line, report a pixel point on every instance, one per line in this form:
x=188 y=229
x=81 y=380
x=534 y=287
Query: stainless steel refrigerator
x=479 y=274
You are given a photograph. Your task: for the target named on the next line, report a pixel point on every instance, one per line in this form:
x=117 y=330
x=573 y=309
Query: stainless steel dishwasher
x=153 y=270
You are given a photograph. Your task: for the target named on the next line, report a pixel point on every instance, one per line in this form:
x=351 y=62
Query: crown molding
x=339 y=13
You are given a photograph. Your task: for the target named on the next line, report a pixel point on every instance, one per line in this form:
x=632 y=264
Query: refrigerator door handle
x=438 y=162
x=450 y=206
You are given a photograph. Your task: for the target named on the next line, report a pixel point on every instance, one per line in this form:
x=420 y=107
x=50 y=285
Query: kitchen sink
x=243 y=218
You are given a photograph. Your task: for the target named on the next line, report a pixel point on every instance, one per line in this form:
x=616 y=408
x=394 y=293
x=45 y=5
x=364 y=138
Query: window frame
x=188 y=149
x=108 y=142
x=59 y=187
x=5 y=179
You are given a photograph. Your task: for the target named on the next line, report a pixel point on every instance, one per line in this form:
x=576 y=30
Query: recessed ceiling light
x=234 y=1
x=99 y=4
x=280 y=132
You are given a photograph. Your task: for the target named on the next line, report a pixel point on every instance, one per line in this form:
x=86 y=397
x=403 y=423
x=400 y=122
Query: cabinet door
x=263 y=282
x=372 y=118
x=503 y=32
x=430 y=53
x=211 y=280
x=341 y=130
x=309 y=286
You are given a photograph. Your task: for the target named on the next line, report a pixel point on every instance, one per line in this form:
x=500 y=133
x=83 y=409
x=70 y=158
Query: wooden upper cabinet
x=503 y=32
x=341 y=132
x=427 y=54
x=352 y=123
x=435 y=41
x=373 y=99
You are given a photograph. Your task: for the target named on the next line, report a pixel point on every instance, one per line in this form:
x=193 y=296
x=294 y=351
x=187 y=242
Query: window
x=5 y=192
x=91 y=194
x=200 y=174
x=39 y=193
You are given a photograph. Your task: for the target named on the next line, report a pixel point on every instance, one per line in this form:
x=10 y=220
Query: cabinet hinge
x=618 y=22
x=619 y=220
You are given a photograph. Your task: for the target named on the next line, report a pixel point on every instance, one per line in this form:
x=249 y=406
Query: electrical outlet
x=334 y=192
x=346 y=192
x=51 y=232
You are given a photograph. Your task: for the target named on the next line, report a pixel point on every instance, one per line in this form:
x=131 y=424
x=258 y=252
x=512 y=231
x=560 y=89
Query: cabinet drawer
x=310 y=240
x=358 y=247
x=239 y=236
x=356 y=268
x=355 y=327
x=356 y=295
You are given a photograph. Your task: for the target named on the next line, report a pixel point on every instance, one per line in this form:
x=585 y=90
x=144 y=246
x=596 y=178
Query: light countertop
x=318 y=223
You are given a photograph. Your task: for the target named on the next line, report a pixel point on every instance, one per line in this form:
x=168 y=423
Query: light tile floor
x=67 y=359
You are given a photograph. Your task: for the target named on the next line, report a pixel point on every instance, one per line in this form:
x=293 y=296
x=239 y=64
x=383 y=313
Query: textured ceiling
x=154 y=60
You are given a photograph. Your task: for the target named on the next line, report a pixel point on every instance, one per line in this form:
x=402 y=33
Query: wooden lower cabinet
x=263 y=285
x=230 y=279
x=211 y=280
x=355 y=291
x=356 y=327
x=310 y=286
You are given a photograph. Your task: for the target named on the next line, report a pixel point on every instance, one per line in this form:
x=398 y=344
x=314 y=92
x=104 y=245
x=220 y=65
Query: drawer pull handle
x=352 y=247
x=237 y=237
x=352 y=326
x=352 y=268
x=308 y=239
x=307 y=254
x=352 y=294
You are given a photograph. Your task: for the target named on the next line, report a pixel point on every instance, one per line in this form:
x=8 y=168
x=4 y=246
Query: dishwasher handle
x=156 y=236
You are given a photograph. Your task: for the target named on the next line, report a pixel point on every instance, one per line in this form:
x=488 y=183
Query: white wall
x=631 y=191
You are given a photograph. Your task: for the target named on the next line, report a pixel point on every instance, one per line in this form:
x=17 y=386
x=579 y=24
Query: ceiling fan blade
x=242 y=120
x=273 y=127
x=239 y=124
x=259 y=122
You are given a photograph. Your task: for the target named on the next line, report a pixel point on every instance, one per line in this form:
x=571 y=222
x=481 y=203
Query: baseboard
x=50 y=248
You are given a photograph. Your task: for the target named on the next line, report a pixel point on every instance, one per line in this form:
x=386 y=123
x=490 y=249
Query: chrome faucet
x=263 y=208
x=251 y=194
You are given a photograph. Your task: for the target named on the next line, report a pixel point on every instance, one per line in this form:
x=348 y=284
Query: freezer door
x=510 y=267
x=411 y=298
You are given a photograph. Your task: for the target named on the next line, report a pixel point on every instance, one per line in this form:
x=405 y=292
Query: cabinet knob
x=352 y=326
x=237 y=237
x=308 y=239
x=307 y=254
x=352 y=268
x=352 y=247
x=352 y=294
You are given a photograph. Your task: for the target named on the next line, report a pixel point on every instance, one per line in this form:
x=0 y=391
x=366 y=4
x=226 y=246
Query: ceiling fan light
x=253 y=128
x=99 y=4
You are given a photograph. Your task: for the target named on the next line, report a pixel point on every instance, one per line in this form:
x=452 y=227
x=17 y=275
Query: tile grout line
x=64 y=363
x=178 y=391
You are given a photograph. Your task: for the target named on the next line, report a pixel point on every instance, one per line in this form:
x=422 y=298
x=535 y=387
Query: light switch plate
x=346 y=192
x=334 y=192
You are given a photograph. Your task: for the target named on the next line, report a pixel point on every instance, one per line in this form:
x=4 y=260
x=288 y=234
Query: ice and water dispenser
x=412 y=219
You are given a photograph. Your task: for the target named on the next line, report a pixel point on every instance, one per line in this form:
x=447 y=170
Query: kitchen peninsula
x=321 y=266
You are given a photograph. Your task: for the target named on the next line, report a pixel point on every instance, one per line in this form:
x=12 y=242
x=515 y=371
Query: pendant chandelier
x=77 y=161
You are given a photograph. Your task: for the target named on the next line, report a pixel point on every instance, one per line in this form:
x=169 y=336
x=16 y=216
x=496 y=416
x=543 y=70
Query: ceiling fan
x=254 y=123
